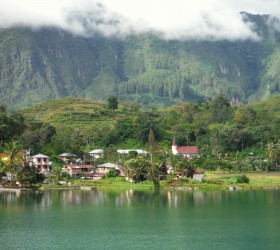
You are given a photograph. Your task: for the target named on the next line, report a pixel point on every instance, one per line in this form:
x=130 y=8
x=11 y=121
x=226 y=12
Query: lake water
x=75 y=219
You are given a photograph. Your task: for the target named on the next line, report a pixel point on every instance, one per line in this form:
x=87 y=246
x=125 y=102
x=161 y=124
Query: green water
x=77 y=219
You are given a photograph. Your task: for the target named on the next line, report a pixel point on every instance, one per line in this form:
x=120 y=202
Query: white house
x=127 y=151
x=42 y=163
x=96 y=153
x=67 y=157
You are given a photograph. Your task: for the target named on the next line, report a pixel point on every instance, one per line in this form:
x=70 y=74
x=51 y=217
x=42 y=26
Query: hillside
x=47 y=64
x=213 y=123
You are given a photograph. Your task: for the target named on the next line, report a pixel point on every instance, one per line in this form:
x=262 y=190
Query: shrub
x=112 y=173
x=242 y=179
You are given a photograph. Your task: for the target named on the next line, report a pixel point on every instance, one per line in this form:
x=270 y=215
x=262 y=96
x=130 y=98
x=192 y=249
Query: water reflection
x=76 y=219
x=130 y=198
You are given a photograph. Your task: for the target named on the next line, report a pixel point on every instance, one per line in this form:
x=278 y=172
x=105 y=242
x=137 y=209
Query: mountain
x=46 y=64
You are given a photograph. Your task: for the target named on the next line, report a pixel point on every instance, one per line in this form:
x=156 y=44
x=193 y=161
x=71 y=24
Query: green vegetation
x=48 y=64
x=212 y=181
x=218 y=129
x=238 y=140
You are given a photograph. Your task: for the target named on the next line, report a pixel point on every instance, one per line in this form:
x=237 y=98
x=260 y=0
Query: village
x=86 y=168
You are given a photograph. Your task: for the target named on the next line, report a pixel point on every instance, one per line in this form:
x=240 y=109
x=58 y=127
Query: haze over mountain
x=155 y=53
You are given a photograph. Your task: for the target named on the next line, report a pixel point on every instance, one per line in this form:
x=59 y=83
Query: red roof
x=187 y=150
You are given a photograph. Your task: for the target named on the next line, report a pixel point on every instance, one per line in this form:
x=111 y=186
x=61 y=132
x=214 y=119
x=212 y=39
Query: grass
x=257 y=180
x=212 y=181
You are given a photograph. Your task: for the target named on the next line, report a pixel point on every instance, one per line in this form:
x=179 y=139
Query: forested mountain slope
x=46 y=64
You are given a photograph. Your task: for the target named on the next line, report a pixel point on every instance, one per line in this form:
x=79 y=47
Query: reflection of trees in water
x=128 y=198
x=18 y=199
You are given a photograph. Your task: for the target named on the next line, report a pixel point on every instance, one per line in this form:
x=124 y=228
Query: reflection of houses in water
x=172 y=198
x=191 y=197
x=46 y=199
x=10 y=196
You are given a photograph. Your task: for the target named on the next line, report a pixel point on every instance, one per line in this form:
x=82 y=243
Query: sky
x=170 y=19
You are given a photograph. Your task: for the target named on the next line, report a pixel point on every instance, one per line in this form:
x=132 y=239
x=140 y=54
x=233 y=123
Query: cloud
x=170 y=19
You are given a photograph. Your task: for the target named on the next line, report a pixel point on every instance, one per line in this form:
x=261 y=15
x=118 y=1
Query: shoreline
x=165 y=188
x=212 y=181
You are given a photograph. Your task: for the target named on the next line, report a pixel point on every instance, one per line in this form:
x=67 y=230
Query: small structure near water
x=198 y=175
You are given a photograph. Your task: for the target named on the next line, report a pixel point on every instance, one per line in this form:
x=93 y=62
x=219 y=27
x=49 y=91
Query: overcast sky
x=171 y=19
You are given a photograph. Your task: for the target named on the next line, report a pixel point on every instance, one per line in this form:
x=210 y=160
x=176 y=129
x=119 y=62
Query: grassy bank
x=212 y=181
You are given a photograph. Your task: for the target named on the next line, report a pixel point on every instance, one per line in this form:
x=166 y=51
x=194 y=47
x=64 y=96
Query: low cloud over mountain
x=170 y=19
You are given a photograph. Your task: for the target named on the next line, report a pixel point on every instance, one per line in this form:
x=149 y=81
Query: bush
x=242 y=179
x=112 y=173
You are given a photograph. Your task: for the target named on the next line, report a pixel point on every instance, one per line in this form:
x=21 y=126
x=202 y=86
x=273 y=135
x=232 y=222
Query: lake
x=76 y=219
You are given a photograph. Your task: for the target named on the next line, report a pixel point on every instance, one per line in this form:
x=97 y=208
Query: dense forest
x=48 y=64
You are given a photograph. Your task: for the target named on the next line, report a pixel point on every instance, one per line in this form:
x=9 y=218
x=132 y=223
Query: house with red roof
x=186 y=151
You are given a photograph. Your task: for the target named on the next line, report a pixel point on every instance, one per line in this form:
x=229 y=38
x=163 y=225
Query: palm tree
x=13 y=156
x=56 y=172
x=272 y=151
x=2 y=167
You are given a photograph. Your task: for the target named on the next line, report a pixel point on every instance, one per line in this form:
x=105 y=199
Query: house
x=41 y=162
x=96 y=153
x=127 y=151
x=104 y=168
x=83 y=161
x=186 y=151
x=78 y=171
x=67 y=157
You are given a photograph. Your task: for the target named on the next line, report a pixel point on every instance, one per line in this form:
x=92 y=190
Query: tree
x=112 y=173
x=2 y=168
x=11 y=126
x=219 y=109
x=110 y=154
x=153 y=174
x=14 y=158
x=37 y=135
x=137 y=168
x=2 y=108
x=273 y=152
x=181 y=164
x=244 y=114
x=30 y=175
x=151 y=141
x=56 y=172
x=112 y=102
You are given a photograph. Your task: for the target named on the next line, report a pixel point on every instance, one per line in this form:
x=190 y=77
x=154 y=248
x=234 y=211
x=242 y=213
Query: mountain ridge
x=46 y=64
